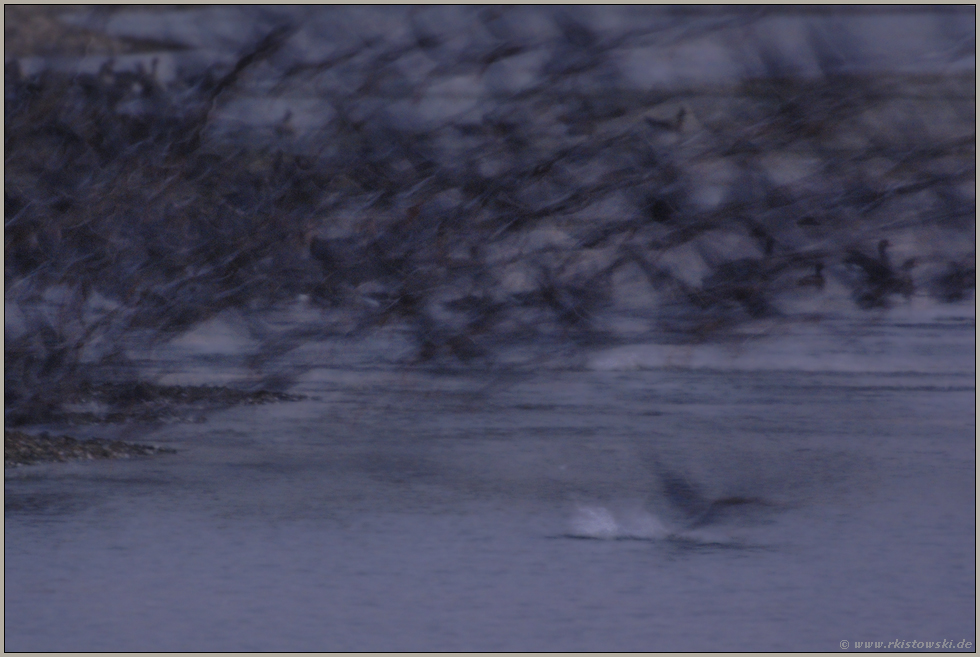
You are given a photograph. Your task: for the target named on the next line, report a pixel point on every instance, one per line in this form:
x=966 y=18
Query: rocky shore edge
x=139 y=401
x=27 y=449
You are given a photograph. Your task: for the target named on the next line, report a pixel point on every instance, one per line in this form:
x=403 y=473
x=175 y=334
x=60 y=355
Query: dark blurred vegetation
x=127 y=214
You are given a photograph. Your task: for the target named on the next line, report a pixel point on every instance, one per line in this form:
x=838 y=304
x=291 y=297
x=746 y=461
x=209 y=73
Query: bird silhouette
x=696 y=508
x=815 y=279
x=742 y=281
x=879 y=279
x=953 y=284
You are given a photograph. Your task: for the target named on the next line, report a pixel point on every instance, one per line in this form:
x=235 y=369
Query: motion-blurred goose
x=742 y=281
x=953 y=284
x=687 y=498
x=815 y=279
x=880 y=280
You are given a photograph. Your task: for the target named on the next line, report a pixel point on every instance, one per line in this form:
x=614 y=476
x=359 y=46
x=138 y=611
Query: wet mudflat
x=399 y=509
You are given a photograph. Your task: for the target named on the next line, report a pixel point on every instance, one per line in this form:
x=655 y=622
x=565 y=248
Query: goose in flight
x=815 y=279
x=879 y=278
x=687 y=498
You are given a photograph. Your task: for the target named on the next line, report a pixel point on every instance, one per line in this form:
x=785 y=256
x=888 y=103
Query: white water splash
x=599 y=522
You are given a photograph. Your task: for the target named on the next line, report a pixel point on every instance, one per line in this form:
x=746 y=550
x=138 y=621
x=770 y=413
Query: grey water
x=404 y=509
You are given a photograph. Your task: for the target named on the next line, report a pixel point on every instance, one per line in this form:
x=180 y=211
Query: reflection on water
x=616 y=503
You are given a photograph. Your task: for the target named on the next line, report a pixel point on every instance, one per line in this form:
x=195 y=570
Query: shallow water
x=405 y=510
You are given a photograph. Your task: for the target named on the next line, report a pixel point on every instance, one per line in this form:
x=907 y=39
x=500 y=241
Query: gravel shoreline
x=27 y=449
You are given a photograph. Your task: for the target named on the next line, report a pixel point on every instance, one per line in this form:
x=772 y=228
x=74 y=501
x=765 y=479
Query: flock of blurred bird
x=122 y=204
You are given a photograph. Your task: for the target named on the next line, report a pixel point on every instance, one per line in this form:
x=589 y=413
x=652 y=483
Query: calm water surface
x=403 y=510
